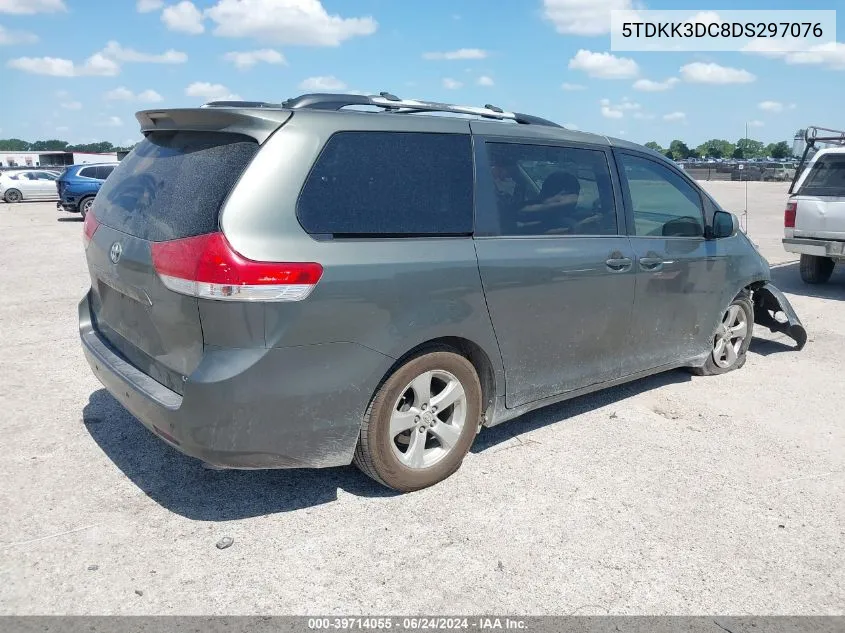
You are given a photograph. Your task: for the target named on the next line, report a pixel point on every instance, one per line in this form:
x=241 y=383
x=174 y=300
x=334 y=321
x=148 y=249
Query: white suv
x=814 y=220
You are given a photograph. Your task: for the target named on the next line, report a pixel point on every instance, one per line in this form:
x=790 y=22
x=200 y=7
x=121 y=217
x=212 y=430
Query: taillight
x=207 y=266
x=789 y=215
x=89 y=227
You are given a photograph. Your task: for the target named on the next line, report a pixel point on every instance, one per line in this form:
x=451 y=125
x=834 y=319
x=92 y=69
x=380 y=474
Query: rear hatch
x=170 y=187
x=820 y=199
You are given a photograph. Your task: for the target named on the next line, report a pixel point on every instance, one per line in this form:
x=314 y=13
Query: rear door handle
x=619 y=263
x=651 y=263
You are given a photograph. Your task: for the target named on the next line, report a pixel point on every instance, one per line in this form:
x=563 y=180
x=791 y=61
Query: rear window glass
x=826 y=177
x=88 y=172
x=390 y=183
x=172 y=184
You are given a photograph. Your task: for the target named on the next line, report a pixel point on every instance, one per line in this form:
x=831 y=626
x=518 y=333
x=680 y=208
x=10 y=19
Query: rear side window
x=104 y=171
x=88 y=172
x=173 y=184
x=390 y=184
x=826 y=178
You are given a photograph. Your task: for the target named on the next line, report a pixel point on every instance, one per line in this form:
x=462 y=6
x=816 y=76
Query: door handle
x=651 y=263
x=619 y=263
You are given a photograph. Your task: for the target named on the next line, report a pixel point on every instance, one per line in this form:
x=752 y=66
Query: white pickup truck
x=814 y=220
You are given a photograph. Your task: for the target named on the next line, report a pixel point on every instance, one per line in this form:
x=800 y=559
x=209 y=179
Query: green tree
x=13 y=145
x=750 y=148
x=51 y=145
x=679 y=149
x=716 y=148
x=779 y=150
x=655 y=146
x=94 y=148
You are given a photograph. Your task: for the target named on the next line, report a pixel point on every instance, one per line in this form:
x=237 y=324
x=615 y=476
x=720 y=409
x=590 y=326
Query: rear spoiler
x=256 y=123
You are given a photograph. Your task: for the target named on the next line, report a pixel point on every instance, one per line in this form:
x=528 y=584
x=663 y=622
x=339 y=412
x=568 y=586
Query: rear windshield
x=172 y=184
x=826 y=177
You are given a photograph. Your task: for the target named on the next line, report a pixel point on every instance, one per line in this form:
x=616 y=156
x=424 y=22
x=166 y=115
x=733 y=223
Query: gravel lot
x=671 y=495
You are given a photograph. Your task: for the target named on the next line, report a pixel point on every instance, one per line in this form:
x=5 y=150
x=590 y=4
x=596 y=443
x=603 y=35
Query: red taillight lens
x=207 y=266
x=789 y=215
x=89 y=227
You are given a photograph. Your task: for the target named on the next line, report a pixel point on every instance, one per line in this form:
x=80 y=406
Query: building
x=53 y=158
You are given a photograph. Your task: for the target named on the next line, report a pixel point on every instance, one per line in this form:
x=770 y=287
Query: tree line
x=720 y=148
x=56 y=145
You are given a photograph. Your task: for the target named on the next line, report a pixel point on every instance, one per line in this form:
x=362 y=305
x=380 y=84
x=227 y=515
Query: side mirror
x=724 y=225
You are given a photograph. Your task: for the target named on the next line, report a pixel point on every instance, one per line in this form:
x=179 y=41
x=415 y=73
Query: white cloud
x=755 y=123
x=71 y=105
x=112 y=121
x=248 y=59
x=572 y=87
x=484 y=80
x=571 y=126
x=328 y=83
x=146 y=6
x=11 y=38
x=675 y=116
x=298 y=22
x=617 y=110
x=58 y=67
x=647 y=85
x=461 y=53
x=124 y=94
x=771 y=106
x=210 y=92
x=604 y=65
x=583 y=17
x=30 y=7
x=183 y=17
x=830 y=54
x=700 y=72
x=451 y=84
x=115 y=51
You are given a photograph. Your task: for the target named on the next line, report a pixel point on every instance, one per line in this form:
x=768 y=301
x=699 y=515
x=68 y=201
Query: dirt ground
x=671 y=495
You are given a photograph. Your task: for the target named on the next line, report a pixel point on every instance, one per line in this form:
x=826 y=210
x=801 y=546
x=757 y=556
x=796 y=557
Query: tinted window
x=547 y=190
x=173 y=184
x=826 y=178
x=104 y=171
x=664 y=204
x=88 y=172
x=44 y=175
x=390 y=183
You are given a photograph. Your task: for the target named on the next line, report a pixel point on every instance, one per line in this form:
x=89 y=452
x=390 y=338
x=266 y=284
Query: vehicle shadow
x=787 y=278
x=563 y=411
x=767 y=347
x=69 y=219
x=180 y=483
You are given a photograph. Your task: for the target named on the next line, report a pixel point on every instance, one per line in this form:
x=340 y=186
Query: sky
x=78 y=70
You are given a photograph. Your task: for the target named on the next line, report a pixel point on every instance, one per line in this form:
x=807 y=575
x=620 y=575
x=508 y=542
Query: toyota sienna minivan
x=347 y=278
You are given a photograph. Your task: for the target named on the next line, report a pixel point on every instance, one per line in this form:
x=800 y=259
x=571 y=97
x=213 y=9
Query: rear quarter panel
x=389 y=295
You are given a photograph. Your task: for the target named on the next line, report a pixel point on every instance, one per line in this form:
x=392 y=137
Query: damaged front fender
x=769 y=304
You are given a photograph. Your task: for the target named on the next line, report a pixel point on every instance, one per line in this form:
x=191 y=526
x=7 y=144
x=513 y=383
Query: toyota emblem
x=115 y=252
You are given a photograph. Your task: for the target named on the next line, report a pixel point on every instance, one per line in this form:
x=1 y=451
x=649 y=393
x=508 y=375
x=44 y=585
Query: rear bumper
x=820 y=248
x=292 y=407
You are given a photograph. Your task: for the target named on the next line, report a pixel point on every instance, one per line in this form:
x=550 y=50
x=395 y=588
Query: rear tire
x=421 y=422
x=13 y=195
x=816 y=270
x=730 y=339
x=85 y=206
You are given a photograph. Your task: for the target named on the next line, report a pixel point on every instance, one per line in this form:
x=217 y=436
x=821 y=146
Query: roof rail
x=392 y=103
x=240 y=104
x=812 y=135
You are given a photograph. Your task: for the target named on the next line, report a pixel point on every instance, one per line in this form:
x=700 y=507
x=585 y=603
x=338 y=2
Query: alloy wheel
x=730 y=336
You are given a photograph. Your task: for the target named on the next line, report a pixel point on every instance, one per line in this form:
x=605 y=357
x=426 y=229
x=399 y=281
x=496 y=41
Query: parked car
x=814 y=219
x=303 y=285
x=747 y=171
x=78 y=186
x=779 y=172
x=29 y=184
